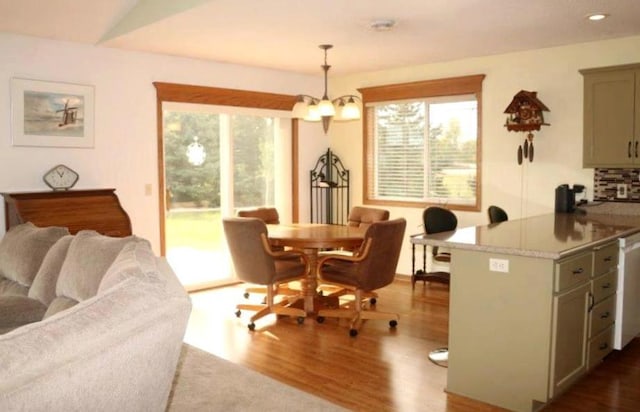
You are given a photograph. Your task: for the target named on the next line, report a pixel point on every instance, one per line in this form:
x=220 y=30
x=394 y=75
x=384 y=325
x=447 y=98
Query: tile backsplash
x=605 y=184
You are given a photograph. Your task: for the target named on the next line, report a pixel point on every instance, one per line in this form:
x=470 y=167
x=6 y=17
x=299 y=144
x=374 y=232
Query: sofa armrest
x=117 y=350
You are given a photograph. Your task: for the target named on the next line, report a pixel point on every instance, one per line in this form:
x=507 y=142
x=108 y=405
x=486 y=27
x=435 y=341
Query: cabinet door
x=609 y=116
x=568 y=357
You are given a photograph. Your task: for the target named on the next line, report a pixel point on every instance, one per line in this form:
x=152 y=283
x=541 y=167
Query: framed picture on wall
x=51 y=114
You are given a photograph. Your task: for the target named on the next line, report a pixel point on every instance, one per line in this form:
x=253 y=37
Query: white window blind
x=424 y=150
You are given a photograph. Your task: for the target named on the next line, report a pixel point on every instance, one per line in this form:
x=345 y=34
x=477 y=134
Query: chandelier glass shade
x=313 y=109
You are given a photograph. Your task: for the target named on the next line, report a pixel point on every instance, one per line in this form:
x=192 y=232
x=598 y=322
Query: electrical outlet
x=621 y=191
x=499 y=265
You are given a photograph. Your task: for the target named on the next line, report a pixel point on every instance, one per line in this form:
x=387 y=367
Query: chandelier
x=312 y=109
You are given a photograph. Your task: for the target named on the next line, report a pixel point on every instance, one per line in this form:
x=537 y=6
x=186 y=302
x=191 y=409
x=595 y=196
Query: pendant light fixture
x=312 y=109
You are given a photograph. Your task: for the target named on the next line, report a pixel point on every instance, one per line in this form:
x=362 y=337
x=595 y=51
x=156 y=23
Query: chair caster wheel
x=353 y=332
x=373 y=301
x=238 y=313
x=251 y=326
x=300 y=320
x=246 y=295
x=393 y=323
x=320 y=319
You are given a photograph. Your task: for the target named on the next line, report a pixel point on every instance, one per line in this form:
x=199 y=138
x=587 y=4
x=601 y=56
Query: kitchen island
x=532 y=304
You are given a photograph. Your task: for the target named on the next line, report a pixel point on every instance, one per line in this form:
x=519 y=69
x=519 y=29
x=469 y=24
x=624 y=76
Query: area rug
x=205 y=382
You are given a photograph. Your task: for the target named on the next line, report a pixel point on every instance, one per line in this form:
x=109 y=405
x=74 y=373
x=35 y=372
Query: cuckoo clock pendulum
x=525 y=115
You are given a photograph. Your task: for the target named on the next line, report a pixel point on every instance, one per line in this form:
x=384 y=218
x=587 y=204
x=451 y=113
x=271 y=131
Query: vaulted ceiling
x=284 y=34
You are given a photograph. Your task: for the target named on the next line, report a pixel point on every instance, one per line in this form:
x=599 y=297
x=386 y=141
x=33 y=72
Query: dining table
x=313 y=238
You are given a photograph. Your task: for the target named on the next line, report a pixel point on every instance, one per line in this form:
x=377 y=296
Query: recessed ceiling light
x=382 y=24
x=597 y=16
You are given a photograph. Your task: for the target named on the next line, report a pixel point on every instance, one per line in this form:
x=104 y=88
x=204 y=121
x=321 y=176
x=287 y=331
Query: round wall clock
x=60 y=177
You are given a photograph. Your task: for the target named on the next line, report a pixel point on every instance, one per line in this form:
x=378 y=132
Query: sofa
x=87 y=322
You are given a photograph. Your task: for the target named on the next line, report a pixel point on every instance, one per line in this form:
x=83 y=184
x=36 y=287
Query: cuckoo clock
x=525 y=115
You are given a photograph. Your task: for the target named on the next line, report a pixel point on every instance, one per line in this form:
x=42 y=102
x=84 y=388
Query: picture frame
x=51 y=114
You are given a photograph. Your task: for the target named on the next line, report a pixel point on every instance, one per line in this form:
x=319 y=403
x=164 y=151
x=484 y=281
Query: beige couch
x=98 y=326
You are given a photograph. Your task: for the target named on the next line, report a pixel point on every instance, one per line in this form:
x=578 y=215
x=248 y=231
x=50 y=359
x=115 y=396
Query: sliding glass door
x=216 y=161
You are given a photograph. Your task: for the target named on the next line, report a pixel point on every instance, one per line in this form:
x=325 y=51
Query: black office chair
x=497 y=214
x=435 y=219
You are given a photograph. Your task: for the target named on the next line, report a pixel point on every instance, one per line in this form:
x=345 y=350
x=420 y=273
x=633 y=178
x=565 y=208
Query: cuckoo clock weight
x=525 y=115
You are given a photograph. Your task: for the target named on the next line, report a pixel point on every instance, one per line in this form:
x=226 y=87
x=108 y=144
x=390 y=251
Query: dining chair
x=360 y=217
x=255 y=262
x=268 y=215
x=372 y=268
x=497 y=214
x=436 y=219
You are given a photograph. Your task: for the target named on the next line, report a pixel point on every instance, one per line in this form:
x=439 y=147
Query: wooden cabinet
x=98 y=210
x=534 y=329
x=570 y=320
x=602 y=309
x=612 y=116
x=584 y=315
x=569 y=337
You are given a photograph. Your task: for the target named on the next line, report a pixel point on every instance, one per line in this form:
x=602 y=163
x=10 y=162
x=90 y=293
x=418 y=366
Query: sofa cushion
x=89 y=256
x=58 y=305
x=22 y=250
x=16 y=311
x=136 y=259
x=44 y=284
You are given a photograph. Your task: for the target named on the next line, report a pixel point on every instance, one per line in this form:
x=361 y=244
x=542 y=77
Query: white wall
x=125 y=153
x=522 y=190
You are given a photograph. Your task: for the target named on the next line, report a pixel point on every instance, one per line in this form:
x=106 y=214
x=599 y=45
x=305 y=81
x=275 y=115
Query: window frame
x=453 y=86
x=183 y=93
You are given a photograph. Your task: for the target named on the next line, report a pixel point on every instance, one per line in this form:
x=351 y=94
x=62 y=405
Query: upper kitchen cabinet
x=612 y=116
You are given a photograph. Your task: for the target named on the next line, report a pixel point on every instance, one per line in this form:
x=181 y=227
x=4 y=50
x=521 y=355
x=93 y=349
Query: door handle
x=636 y=149
x=629 y=149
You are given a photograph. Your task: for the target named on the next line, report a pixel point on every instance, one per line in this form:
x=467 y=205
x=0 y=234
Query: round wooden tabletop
x=315 y=236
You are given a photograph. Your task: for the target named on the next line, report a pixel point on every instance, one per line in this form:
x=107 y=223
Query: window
x=422 y=143
x=218 y=159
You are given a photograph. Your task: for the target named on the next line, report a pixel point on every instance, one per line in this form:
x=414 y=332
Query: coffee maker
x=566 y=198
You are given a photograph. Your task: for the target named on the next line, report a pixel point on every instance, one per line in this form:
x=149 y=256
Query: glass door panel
x=194 y=242
x=216 y=163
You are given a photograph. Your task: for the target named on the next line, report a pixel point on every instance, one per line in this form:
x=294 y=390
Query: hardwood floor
x=380 y=369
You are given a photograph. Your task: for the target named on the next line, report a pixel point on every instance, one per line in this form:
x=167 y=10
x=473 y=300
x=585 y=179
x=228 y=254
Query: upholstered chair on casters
x=360 y=217
x=255 y=262
x=497 y=214
x=363 y=217
x=270 y=216
x=372 y=268
x=436 y=219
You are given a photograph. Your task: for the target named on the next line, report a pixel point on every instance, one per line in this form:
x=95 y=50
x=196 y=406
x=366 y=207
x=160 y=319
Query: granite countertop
x=550 y=236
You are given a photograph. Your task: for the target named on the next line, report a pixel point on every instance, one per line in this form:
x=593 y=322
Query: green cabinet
x=570 y=320
x=535 y=329
x=570 y=338
x=612 y=116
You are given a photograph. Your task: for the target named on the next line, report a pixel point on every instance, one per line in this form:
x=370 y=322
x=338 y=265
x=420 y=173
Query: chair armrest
x=285 y=254
x=356 y=258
